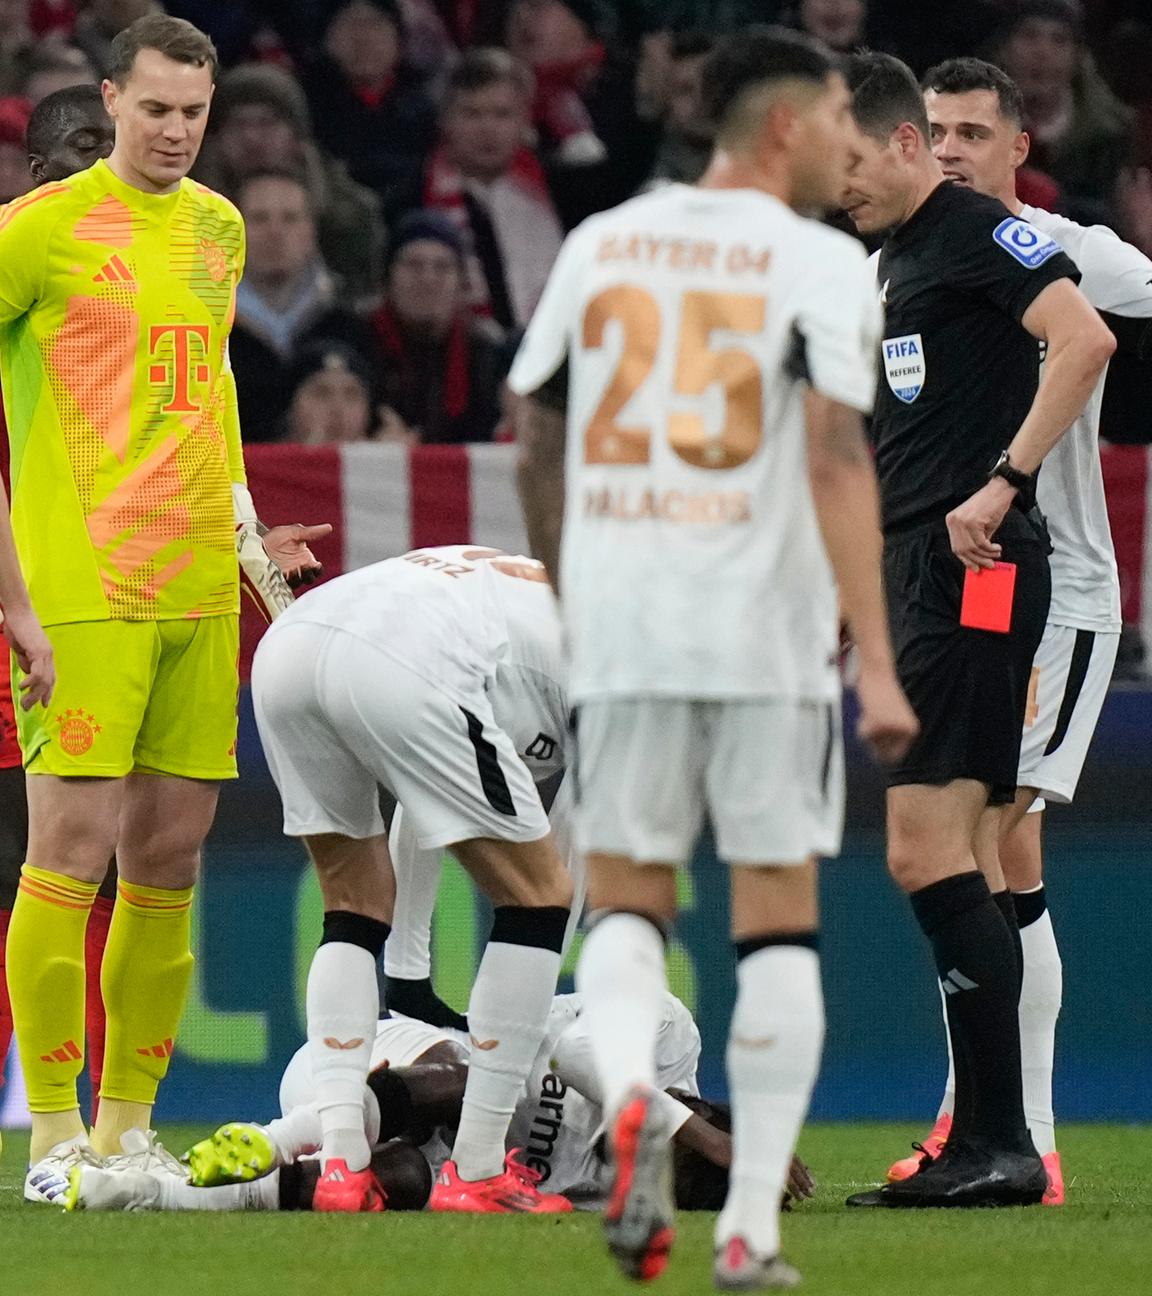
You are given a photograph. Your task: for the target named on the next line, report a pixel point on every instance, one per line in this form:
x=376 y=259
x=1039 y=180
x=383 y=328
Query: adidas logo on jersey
x=115 y=271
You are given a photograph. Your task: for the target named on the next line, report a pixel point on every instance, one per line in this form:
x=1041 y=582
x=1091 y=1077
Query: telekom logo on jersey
x=180 y=354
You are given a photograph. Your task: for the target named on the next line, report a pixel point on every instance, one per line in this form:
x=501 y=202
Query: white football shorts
x=769 y=773
x=338 y=718
x=1070 y=677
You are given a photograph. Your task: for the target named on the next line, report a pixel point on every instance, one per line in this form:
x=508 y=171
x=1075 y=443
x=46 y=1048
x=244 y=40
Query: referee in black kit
x=962 y=424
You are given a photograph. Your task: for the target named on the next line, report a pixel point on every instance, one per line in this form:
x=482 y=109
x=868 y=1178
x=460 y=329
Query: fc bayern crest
x=904 y=366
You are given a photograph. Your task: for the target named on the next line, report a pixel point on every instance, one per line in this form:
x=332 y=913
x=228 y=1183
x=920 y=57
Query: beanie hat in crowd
x=421 y=225
x=326 y=355
x=265 y=84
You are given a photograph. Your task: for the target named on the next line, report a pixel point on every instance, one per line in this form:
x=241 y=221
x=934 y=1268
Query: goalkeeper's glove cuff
x=260 y=578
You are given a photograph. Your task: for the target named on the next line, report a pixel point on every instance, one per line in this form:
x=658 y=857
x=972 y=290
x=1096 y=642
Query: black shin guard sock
x=1030 y=906
x=1007 y=907
x=418 y=999
x=977 y=965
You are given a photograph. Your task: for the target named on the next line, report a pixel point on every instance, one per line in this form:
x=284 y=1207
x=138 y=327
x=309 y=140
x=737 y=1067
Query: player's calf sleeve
x=343 y=1005
x=144 y=980
x=1040 y=998
x=45 y=967
x=622 y=978
x=774 y=1046
x=977 y=966
x=507 y=1014
x=95 y=1021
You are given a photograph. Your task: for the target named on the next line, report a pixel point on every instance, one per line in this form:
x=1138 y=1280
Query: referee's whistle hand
x=972 y=525
x=33 y=654
x=887 y=724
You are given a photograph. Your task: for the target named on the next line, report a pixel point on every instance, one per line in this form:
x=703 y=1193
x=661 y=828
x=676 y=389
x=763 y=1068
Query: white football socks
x=774 y=1047
x=259 y=1195
x=343 y=1005
x=1040 y=998
x=507 y=1015
x=408 y=952
x=948 y=1102
x=622 y=978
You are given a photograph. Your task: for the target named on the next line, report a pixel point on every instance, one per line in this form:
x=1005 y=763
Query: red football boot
x=514 y=1192
x=349 y=1191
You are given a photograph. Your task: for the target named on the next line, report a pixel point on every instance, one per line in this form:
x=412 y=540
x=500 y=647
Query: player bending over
x=413 y=674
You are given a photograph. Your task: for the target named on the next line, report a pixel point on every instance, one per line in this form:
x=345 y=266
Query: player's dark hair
x=885 y=95
x=60 y=112
x=700 y=1184
x=173 y=37
x=964 y=75
x=754 y=57
x=481 y=68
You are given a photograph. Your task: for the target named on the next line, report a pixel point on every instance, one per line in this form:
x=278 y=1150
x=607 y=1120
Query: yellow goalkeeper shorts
x=149 y=696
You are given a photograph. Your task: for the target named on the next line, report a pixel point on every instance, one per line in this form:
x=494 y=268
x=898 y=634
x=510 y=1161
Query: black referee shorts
x=969 y=688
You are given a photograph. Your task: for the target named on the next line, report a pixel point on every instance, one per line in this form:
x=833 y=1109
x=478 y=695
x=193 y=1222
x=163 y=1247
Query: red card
x=987 y=602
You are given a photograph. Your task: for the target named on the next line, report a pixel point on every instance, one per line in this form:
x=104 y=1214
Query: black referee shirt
x=959 y=372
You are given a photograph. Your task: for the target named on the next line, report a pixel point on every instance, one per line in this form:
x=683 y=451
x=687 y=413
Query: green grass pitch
x=1100 y=1244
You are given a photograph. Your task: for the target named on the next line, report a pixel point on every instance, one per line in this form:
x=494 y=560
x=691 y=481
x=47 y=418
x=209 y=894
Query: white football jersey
x=462 y=617
x=1116 y=277
x=692 y=564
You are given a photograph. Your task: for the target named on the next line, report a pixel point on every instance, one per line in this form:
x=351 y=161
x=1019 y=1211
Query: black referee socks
x=979 y=972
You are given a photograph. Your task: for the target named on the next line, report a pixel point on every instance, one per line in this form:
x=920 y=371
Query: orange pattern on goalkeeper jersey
x=115 y=308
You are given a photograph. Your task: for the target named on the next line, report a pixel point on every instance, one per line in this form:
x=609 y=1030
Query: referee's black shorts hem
x=969 y=688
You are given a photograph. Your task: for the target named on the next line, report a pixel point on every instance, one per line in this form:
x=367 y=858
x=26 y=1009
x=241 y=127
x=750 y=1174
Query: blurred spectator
x=286 y=291
x=14 y=177
x=494 y=187
x=51 y=17
x=687 y=140
x=260 y=119
x=1080 y=130
x=52 y=67
x=590 y=103
x=329 y=396
x=102 y=20
x=16 y=44
x=368 y=107
x=840 y=24
x=441 y=369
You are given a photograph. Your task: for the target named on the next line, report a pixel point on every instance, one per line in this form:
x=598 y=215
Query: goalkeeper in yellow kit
x=117 y=293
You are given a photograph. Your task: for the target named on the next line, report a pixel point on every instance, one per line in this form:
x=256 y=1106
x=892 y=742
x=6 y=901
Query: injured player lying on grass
x=410 y=1107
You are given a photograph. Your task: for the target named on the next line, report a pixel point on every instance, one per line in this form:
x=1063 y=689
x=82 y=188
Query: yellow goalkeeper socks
x=147 y=966
x=46 y=985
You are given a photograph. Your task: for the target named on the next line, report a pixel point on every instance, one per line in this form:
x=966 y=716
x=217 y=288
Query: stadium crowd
x=407 y=168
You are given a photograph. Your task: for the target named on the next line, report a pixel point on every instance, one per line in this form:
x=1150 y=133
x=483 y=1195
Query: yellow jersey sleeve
x=115 y=309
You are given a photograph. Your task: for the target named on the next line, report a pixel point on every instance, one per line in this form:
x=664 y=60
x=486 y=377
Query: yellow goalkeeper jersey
x=115 y=309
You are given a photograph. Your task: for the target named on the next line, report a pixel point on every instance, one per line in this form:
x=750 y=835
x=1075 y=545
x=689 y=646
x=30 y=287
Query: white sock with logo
x=774 y=1046
x=948 y=1102
x=622 y=978
x=507 y=1016
x=259 y=1195
x=343 y=1005
x=300 y=1132
x=1040 y=997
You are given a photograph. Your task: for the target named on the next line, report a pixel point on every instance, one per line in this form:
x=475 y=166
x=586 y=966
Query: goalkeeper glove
x=260 y=578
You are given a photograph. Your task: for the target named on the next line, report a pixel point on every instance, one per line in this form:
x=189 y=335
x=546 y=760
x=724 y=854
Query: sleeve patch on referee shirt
x=1030 y=246
x=904 y=366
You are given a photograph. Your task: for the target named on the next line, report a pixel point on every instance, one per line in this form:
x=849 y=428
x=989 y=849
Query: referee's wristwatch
x=1022 y=481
